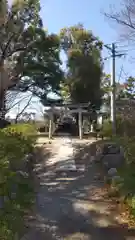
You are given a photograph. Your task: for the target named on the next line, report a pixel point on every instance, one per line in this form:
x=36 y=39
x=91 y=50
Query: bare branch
x=11 y=100
x=125 y=18
x=40 y=109
x=27 y=104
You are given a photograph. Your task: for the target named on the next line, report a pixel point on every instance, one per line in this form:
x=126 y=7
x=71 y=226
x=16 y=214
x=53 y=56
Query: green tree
x=130 y=88
x=17 y=24
x=17 y=34
x=64 y=91
x=106 y=88
x=84 y=64
x=42 y=73
x=29 y=56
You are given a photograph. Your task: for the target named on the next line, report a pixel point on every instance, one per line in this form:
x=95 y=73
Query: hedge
x=16 y=188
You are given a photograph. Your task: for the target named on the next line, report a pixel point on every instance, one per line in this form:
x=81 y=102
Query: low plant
x=124 y=127
x=16 y=188
x=126 y=187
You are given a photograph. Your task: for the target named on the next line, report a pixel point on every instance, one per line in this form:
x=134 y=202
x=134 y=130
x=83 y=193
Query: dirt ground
x=71 y=199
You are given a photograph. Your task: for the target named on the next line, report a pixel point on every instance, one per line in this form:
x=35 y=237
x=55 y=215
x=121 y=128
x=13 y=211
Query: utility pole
x=113 y=85
x=113 y=92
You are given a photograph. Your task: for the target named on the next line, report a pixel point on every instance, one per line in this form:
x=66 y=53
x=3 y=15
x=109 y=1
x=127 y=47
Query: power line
x=120 y=74
x=128 y=50
x=126 y=74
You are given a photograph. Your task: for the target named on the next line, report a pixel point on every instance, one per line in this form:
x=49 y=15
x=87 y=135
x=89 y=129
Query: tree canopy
x=42 y=73
x=130 y=88
x=17 y=25
x=84 y=64
x=29 y=56
x=106 y=88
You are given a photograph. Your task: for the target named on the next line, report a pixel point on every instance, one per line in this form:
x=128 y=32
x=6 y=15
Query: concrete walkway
x=71 y=199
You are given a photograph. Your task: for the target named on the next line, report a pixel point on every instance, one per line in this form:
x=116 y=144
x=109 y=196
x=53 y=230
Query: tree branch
x=21 y=49
x=119 y=21
x=124 y=17
x=19 y=114
x=12 y=106
x=6 y=47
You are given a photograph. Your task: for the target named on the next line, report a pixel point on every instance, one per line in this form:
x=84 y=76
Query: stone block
x=111 y=149
x=113 y=160
x=112 y=172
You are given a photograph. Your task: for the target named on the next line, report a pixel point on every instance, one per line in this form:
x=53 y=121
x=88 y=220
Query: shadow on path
x=74 y=204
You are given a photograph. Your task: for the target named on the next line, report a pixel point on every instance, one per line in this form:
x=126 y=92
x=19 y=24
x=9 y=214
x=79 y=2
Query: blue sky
x=57 y=14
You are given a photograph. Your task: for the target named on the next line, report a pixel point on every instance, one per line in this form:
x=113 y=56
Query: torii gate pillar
x=51 y=124
x=80 y=124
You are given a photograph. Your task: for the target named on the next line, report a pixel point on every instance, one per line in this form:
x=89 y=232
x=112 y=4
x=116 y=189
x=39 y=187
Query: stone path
x=71 y=200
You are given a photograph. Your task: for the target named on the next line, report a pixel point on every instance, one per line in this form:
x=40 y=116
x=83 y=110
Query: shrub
x=16 y=189
x=129 y=127
x=25 y=129
x=107 y=128
x=124 y=126
x=127 y=173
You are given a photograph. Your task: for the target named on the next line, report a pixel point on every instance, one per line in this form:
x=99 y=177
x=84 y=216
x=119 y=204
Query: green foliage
x=31 y=54
x=105 y=85
x=16 y=189
x=17 y=23
x=41 y=73
x=107 y=128
x=27 y=130
x=106 y=88
x=125 y=138
x=124 y=127
x=130 y=88
x=125 y=187
x=84 y=64
x=127 y=173
x=16 y=29
x=65 y=92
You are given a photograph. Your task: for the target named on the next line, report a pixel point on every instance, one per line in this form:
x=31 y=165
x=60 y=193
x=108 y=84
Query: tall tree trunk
x=2 y=105
x=3 y=86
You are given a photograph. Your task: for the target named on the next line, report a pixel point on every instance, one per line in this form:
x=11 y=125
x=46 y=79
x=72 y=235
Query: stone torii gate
x=75 y=108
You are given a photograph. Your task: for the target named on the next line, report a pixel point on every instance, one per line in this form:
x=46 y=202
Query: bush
x=127 y=173
x=107 y=128
x=124 y=126
x=16 y=189
x=125 y=129
x=27 y=130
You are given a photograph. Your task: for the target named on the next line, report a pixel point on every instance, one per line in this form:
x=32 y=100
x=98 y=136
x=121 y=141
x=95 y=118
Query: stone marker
x=112 y=172
x=111 y=156
x=113 y=160
x=110 y=149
